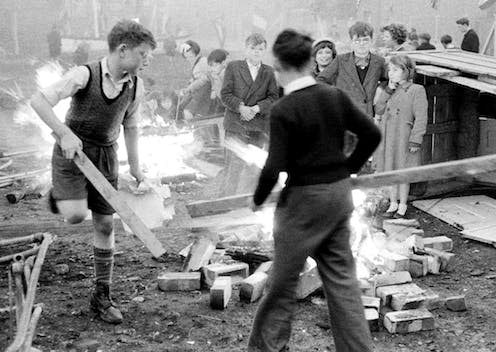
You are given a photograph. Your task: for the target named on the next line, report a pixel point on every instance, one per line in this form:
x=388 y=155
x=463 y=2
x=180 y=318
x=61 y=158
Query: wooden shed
x=461 y=90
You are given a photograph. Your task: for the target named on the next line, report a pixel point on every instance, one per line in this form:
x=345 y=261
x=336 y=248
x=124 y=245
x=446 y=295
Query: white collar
x=106 y=72
x=254 y=66
x=299 y=83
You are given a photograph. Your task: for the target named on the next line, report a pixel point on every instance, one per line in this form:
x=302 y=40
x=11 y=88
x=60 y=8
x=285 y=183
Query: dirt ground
x=159 y=321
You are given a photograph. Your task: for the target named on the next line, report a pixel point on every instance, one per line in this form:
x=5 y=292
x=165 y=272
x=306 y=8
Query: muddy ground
x=158 y=321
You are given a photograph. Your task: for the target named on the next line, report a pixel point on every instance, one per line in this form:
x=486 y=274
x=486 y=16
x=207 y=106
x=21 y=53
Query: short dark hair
x=425 y=36
x=398 y=32
x=193 y=46
x=446 y=39
x=405 y=63
x=255 y=39
x=324 y=44
x=292 y=49
x=463 y=21
x=361 y=29
x=217 y=55
x=130 y=33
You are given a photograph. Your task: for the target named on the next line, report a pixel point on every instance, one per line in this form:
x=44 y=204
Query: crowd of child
x=304 y=128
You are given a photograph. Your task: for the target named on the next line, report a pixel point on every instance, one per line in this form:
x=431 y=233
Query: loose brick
x=372 y=317
x=418 y=265
x=220 y=292
x=406 y=321
x=265 y=267
x=386 y=292
x=441 y=243
x=456 y=303
x=433 y=264
x=446 y=259
x=401 y=301
x=200 y=252
x=179 y=281
x=252 y=288
x=394 y=278
x=394 y=262
x=238 y=272
x=309 y=281
x=371 y=302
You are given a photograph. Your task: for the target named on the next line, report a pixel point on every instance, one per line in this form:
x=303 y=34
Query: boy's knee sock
x=104 y=265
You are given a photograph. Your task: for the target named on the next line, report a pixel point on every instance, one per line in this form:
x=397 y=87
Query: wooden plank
x=55 y=227
x=467 y=60
x=120 y=206
x=436 y=71
x=445 y=170
x=433 y=59
x=466 y=213
x=442 y=127
x=222 y=205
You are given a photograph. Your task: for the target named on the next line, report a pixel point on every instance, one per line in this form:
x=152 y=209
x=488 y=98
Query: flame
x=164 y=155
x=25 y=115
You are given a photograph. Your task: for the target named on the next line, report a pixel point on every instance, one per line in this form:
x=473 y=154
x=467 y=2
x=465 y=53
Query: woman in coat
x=401 y=107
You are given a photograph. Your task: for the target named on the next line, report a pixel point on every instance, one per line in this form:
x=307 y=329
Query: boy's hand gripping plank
x=115 y=200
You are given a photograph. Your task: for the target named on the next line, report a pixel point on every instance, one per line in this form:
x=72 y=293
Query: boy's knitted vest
x=94 y=117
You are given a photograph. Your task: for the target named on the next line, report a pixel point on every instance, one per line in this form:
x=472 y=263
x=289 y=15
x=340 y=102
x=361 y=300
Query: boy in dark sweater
x=307 y=128
x=105 y=95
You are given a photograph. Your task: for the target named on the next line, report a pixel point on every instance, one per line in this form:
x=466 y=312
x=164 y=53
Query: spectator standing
x=447 y=42
x=425 y=42
x=248 y=91
x=307 y=129
x=402 y=110
x=324 y=52
x=470 y=40
x=395 y=36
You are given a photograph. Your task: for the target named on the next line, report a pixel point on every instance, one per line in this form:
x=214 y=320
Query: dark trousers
x=312 y=221
x=239 y=177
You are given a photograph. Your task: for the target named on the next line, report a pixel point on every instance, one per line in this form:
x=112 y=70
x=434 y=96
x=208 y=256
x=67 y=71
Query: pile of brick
x=401 y=305
x=391 y=297
x=206 y=266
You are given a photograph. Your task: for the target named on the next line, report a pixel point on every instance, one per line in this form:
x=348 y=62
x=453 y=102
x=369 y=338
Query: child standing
x=105 y=95
x=402 y=107
x=307 y=128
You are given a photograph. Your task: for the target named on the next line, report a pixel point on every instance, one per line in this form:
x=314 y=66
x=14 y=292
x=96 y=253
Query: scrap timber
x=464 y=167
x=121 y=207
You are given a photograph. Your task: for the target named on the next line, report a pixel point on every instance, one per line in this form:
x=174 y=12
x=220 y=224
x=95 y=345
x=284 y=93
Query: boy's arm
x=272 y=95
x=43 y=101
x=228 y=98
x=131 y=136
x=277 y=159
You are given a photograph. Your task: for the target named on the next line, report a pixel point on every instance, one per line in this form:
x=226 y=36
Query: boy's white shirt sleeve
x=72 y=81
x=133 y=113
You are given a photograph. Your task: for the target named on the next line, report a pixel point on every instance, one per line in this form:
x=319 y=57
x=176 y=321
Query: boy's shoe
x=102 y=304
x=52 y=203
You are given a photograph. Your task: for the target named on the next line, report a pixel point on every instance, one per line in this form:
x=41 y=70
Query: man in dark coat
x=470 y=40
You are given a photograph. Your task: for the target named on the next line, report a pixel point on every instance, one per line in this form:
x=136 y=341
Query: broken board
x=473 y=215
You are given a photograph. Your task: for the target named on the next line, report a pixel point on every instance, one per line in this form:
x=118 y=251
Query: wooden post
x=15 y=30
x=94 y=8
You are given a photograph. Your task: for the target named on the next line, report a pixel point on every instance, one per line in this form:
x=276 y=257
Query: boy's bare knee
x=76 y=218
x=104 y=226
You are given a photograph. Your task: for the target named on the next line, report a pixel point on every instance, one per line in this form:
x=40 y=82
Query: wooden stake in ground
x=115 y=200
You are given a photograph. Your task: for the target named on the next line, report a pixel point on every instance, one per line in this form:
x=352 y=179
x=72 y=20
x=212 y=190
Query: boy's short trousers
x=69 y=183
